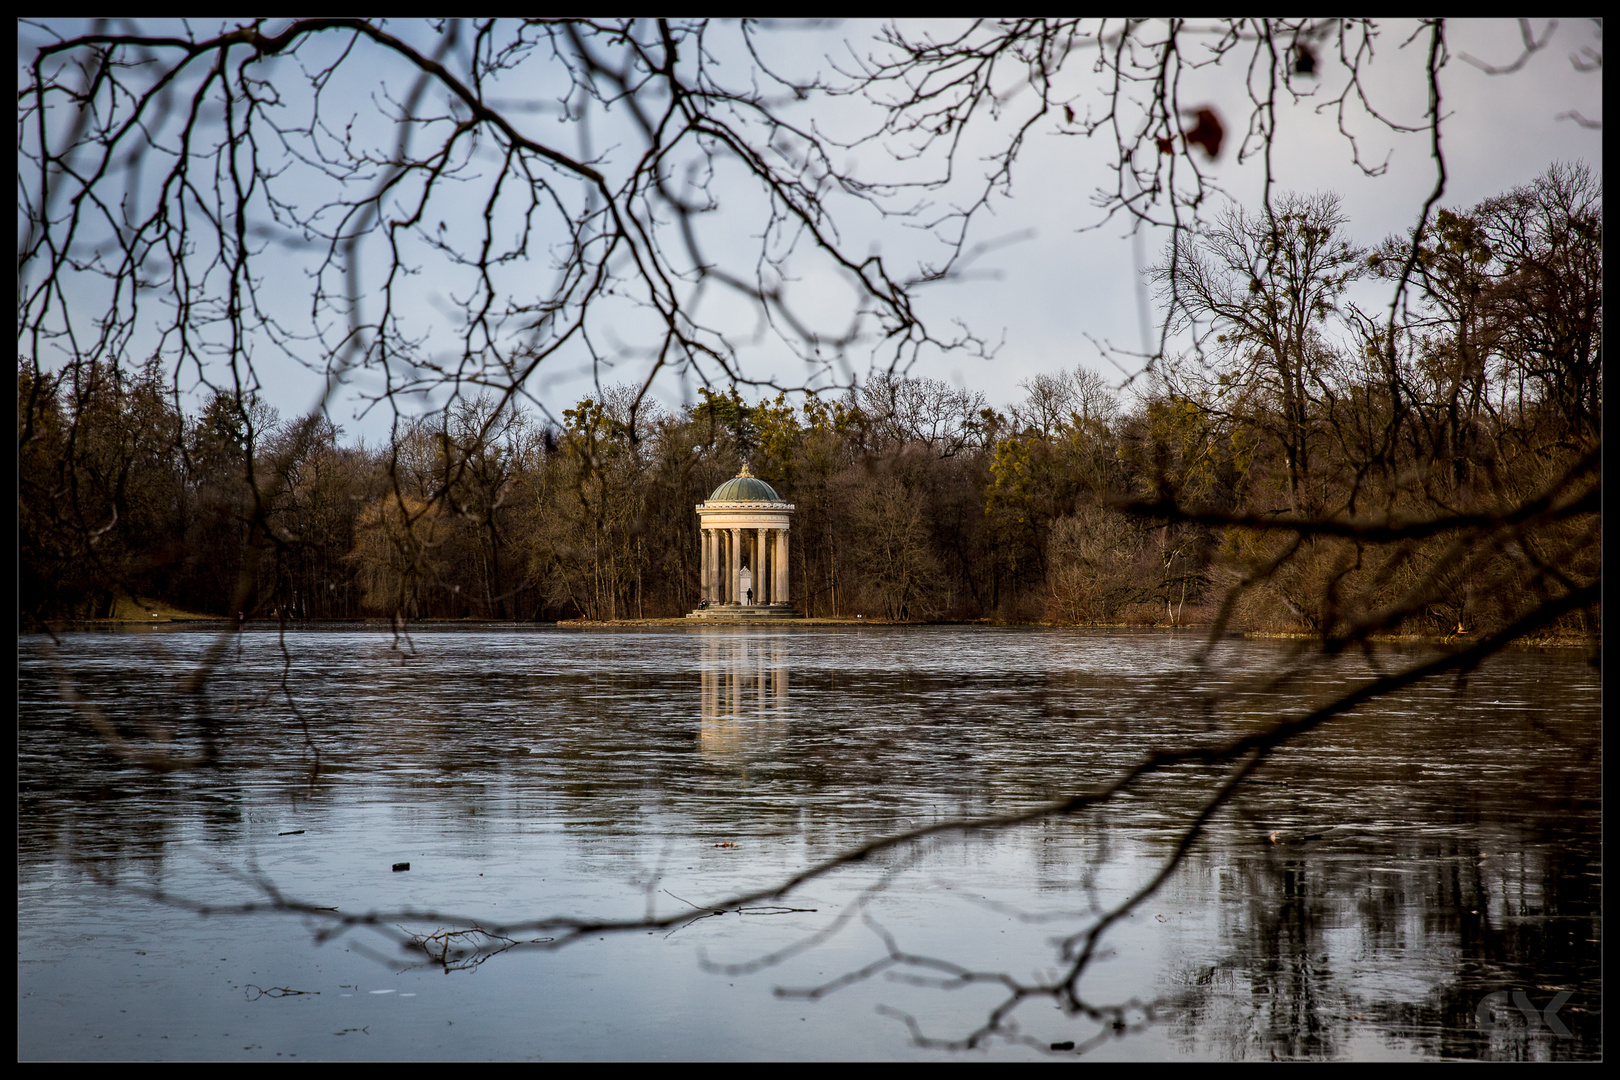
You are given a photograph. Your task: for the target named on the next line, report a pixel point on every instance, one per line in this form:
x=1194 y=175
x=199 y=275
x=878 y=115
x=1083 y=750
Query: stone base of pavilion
x=745 y=612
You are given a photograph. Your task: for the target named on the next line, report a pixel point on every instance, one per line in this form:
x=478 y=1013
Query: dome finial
x=745 y=471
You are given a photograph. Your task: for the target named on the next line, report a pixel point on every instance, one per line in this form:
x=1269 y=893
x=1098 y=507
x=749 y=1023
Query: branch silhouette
x=219 y=204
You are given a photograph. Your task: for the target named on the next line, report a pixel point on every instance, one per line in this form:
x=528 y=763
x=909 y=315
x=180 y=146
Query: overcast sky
x=1067 y=286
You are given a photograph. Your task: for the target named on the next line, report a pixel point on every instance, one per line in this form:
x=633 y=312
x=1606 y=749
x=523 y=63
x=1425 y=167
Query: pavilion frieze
x=747 y=504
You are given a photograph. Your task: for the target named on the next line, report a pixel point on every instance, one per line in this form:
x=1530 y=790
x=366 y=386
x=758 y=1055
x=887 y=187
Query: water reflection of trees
x=1433 y=924
x=1433 y=851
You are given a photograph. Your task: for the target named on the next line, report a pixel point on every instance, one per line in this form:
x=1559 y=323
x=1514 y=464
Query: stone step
x=744 y=613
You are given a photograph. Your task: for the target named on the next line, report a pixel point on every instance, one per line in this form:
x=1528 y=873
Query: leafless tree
x=189 y=161
x=921 y=410
x=219 y=201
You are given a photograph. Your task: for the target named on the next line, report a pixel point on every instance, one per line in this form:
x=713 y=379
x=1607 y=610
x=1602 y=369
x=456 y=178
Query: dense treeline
x=917 y=500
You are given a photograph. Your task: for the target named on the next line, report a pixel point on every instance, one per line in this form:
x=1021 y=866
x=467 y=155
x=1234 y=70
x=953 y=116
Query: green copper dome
x=745 y=488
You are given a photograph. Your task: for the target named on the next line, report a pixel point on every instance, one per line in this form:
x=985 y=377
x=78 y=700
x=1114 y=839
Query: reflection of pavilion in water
x=744 y=693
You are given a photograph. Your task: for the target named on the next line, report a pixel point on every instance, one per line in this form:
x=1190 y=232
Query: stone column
x=711 y=551
x=721 y=582
x=779 y=594
x=759 y=566
x=703 y=563
x=767 y=561
x=717 y=572
x=736 y=567
x=774 y=556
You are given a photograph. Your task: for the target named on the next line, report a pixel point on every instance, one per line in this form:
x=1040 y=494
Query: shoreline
x=71 y=625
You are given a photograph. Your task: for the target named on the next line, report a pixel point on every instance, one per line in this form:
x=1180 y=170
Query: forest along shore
x=1309 y=472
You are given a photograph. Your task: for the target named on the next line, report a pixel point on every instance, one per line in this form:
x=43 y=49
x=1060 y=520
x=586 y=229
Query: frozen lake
x=1435 y=852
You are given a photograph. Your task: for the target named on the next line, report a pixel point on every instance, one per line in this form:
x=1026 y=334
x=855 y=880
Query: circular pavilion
x=744 y=548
